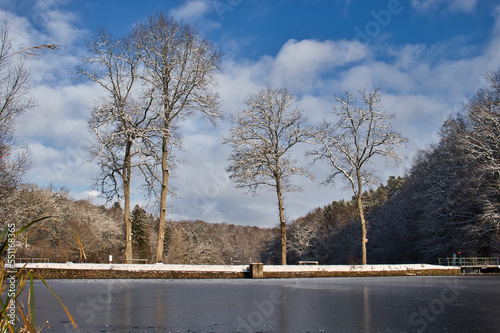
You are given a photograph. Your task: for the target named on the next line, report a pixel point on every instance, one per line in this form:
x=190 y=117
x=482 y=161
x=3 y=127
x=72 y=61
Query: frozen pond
x=374 y=304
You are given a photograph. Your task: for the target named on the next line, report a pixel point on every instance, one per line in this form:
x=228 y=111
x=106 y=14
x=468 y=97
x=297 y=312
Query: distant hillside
x=198 y=242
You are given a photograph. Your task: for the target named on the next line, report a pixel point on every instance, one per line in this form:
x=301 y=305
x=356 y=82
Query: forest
x=447 y=202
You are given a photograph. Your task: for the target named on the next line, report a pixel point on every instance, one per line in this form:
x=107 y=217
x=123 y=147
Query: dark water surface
x=373 y=304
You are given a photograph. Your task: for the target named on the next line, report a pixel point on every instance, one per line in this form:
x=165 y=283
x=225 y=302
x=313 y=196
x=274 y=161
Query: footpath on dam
x=253 y=270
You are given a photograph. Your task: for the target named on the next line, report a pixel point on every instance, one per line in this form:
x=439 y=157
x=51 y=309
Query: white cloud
x=193 y=9
x=60 y=117
x=450 y=5
x=20 y=31
x=92 y=193
x=42 y=155
x=299 y=64
x=61 y=28
x=239 y=78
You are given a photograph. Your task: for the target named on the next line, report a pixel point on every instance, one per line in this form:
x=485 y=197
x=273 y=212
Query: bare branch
x=36 y=51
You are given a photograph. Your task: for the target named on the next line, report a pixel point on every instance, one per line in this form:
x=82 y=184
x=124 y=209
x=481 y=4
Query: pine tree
x=140 y=231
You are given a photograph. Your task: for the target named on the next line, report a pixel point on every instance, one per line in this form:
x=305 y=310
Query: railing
x=32 y=260
x=470 y=262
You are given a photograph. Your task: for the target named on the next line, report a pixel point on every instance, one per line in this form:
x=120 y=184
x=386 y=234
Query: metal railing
x=136 y=261
x=32 y=260
x=470 y=262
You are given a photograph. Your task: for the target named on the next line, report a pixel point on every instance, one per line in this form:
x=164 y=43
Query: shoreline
x=170 y=271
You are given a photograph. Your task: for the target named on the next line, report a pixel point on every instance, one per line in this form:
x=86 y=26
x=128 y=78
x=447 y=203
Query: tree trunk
x=126 y=193
x=282 y=223
x=163 y=201
x=361 y=216
x=363 y=228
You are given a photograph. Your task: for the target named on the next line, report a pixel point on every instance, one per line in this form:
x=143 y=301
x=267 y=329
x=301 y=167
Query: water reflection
x=366 y=310
x=127 y=307
x=160 y=311
x=283 y=307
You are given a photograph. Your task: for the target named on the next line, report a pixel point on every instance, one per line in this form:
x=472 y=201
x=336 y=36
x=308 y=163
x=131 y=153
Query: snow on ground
x=139 y=267
x=352 y=268
x=236 y=268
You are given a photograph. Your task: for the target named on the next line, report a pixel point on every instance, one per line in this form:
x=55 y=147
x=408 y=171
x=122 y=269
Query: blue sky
x=426 y=56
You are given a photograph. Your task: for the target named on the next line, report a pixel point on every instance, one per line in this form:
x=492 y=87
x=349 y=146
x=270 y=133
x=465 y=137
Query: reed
x=15 y=316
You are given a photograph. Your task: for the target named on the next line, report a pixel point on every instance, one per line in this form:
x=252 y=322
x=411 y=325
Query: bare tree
x=119 y=119
x=262 y=138
x=179 y=70
x=14 y=101
x=350 y=144
x=15 y=85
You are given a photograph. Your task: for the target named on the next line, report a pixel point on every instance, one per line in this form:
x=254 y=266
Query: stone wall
x=50 y=273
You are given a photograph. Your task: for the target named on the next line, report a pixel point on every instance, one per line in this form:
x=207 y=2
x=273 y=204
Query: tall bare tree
x=350 y=144
x=262 y=138
x=119 y=119
x=179 y=70
x=15 y=82
x=14 y=101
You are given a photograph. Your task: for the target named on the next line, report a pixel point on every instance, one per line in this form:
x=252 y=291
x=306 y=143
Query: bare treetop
x=358 y=135
x=262 y=138
x=179 y=65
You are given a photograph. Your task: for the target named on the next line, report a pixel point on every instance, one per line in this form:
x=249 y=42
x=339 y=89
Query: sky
x=426 y=56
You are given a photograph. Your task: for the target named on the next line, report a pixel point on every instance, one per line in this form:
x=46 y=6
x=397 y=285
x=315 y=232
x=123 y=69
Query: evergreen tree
x=140 y=231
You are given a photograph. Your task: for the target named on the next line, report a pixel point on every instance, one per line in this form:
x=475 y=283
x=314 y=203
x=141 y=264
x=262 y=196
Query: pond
x=371 y=304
